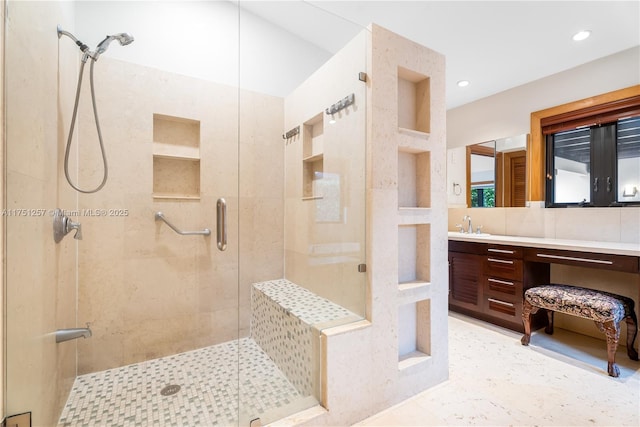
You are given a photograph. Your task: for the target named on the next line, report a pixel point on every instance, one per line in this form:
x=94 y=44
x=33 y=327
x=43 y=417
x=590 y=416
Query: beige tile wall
x=40 y=275
x=147 y=291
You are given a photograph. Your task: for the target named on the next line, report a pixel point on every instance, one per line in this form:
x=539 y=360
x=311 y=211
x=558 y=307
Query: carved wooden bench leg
x=527 y=311
x=549 y=329
x=632 y=331
x=612 y=332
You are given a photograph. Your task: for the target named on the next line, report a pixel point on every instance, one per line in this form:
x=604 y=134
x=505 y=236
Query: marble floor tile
x=558 y=380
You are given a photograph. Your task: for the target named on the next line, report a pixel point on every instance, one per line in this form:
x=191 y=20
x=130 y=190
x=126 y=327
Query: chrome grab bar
x=205 y=232
x=221 y=224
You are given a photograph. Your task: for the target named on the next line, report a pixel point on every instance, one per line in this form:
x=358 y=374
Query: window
x=595 y=165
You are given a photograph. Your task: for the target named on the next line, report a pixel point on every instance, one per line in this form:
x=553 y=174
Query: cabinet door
x=465 y=280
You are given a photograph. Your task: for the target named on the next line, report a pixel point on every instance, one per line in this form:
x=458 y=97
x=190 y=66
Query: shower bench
x=286 y=322
x=607 y=310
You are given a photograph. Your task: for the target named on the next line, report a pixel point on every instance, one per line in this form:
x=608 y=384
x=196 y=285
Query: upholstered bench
x=607 y=310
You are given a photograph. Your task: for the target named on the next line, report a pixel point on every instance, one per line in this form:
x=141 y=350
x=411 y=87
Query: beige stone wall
x=364 y=368
x=40 y=278
x=147 y=291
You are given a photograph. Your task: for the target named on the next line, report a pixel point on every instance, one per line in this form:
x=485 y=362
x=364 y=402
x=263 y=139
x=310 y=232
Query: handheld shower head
x=123 y=38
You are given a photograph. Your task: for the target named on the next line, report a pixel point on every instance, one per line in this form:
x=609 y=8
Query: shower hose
x=73 y=122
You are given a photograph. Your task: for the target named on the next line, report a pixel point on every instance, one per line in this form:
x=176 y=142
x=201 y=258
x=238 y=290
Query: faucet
x=72 y=333
x=470 y=227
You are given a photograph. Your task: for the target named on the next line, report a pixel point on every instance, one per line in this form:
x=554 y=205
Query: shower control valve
x=62 y=225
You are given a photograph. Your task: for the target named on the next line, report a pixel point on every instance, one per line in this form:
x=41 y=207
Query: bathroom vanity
x=489 y=274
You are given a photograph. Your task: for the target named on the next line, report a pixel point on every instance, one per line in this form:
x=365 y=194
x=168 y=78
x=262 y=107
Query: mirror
x=496 y=173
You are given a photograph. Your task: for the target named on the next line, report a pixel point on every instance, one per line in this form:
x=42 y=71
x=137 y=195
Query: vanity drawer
x=504 y=251
x=503 y=268
x=624 y=263
x=504 y=288
x=501 y=308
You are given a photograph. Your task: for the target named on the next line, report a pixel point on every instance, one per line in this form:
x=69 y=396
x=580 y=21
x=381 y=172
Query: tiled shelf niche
x=312 y=157
x=414 y=99
x=176 y=157
x=414 y=179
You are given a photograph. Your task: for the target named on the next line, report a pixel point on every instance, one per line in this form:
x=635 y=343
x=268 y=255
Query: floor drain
x=170 y=390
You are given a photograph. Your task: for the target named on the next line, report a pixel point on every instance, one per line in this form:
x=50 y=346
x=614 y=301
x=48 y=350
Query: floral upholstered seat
x=582 y=302
x=607 y=310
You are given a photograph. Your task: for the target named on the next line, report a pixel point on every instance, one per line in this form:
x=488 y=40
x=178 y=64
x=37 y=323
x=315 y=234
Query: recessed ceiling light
x=581 y=35
x=463 y=83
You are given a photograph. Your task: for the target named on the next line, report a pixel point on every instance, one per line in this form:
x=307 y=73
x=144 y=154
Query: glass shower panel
x=302 y=198
x=162 y=306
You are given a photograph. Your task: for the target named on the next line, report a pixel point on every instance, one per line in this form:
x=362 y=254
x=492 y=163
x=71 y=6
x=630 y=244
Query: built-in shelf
x=176 y=177
x=414 y=133
x=176 y=158
x=414 y=253
x=410 y=360
x=414 y=98
x=170 y=151
x=414 y=177
x=414 y=291
x=414 y=216
x=312 y=157
x=414 y=335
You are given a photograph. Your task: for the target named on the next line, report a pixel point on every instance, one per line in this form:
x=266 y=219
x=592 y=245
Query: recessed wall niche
x=414 y=333
x=414 y=188
x=414 y=253
x=414 y=97
x=312 y=157
x=176 y=157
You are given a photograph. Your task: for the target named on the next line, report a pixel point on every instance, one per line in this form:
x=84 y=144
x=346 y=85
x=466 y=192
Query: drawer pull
x=570 y=258
x=501 y=261
x=501 y=251
x=502 y=282
x=508 y=304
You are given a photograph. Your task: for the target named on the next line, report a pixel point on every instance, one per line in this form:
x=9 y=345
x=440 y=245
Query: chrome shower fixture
x=123 y=38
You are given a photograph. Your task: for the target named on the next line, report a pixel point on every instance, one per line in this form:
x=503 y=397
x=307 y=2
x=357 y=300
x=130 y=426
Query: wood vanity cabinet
x=487 y=281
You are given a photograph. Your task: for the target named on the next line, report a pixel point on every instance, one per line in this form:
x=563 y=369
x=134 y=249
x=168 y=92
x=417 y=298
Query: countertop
x=617 y=248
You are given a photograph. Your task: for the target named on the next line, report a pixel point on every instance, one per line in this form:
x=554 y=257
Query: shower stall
x=227 y=234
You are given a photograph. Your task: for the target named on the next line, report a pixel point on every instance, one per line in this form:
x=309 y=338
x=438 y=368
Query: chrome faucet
x=63 y=335
x=470 y=227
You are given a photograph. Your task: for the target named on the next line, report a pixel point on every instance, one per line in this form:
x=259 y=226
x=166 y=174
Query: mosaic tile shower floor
x=209 y=380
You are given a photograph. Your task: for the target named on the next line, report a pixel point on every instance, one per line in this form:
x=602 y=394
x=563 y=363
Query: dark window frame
x=598 y=157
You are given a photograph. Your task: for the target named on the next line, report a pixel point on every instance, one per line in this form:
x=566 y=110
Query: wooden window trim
x=555 y=115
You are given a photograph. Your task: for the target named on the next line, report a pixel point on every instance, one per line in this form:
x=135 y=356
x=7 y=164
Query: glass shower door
x=302 y=140
x=159 y=298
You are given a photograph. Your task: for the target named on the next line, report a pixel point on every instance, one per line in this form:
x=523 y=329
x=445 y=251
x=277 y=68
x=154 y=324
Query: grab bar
x=205 y=232
x=221 y=224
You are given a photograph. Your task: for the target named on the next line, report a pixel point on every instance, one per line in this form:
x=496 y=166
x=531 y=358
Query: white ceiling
x=496 y=45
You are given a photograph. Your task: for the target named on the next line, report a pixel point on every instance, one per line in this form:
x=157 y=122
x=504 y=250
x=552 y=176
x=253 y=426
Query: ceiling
x=496 y=45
